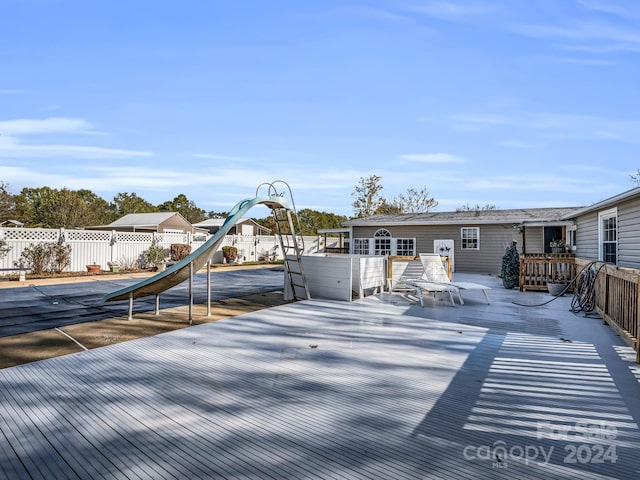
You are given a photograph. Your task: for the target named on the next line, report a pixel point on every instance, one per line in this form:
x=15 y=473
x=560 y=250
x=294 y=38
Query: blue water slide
x=180 y=271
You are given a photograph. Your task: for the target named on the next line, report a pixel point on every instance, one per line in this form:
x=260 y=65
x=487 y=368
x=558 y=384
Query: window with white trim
x=382 y=242
x=470 y=238
x=571 y=237
x=360 y=246
x=608 y=236
x=406 y=247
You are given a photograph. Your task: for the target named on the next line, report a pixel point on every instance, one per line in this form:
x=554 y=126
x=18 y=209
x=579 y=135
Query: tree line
x=64 y=208
x=47 y=207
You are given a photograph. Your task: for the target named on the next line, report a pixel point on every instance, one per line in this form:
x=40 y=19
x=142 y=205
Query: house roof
x=608 y=202
x=14 y=223
x=475 y=217
x=143 y=219
x=217 y=222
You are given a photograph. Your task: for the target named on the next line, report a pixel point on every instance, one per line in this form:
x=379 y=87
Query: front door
x=445 y=249
x=551 y=233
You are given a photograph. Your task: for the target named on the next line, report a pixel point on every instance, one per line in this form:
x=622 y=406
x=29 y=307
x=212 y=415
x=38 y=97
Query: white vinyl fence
x=102 y=246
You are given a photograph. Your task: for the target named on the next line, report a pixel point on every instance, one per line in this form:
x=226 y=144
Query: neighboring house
x=475 y=240
x=609 y=230
x=244 y=226
x=159 y=222
x=12 y=223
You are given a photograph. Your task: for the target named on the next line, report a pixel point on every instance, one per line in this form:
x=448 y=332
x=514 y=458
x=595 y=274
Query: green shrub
x=229 y=253
x=154 y=254
x=45 y=258
x=510 y=271
x=4 y=248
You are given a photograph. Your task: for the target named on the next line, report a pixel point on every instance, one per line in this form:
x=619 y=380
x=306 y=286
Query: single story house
x=609 y=230
x=159 y=222
x=244 y=226
x=474 y=240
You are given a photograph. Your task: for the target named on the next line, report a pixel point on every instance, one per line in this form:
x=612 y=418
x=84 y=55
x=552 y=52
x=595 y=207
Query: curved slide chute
x=181 y=270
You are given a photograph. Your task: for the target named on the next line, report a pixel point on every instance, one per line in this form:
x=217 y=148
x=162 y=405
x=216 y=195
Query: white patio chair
x=435 y=272
x=407 y=276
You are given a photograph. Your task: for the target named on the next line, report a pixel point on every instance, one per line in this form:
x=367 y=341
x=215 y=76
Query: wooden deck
x=374 y=389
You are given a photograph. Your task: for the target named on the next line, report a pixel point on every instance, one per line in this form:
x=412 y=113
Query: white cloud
x=556 y=126
x=588 y=37
x=10 y=91
x=584 y=61
x=9 y=147
x=624 y=9
x=431 y=158
x=451 y=10
x=520 y=144
x=211 y=156
x=24 y=126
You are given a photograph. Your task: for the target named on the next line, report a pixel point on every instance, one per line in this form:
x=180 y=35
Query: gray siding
x=587 y=236
x=629 y=234
x=535 y=239
x=488 y=259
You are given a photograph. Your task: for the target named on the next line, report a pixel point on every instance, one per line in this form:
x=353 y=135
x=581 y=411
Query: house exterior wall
x=487 y=259
x=534 y=239
x=628 y=222
x=175 y=223
x=587 y=236
x=629 y=234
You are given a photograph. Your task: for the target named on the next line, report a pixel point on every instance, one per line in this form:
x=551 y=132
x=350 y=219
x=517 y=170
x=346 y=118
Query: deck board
x=374 y=389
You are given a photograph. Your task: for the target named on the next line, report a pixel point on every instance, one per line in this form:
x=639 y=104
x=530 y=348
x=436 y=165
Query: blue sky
x=512 y=103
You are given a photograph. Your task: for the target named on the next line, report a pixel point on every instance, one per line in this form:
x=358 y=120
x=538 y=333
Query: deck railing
x=616 y=299
x=537 y=270
x=616 y=289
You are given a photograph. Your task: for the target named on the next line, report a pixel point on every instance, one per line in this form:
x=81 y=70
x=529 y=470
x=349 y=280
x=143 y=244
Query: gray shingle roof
x=518 y=215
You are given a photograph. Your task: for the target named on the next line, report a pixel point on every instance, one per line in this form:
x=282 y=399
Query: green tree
x=7 y=203
x=50 y=208
x=185 y=207
x=367 y=198
x=312 y=220
x=415 y=201
x=125 y=203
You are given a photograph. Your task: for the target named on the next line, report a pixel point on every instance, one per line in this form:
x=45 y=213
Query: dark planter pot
x=509 y=284
x=556 y=289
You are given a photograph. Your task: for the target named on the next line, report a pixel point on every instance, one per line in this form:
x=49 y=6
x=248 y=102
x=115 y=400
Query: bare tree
x=475 y=208
x=415 y=201
x=367 y=196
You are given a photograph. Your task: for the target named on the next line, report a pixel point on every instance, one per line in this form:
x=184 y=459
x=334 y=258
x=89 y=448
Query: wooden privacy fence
x=537 y=270
x=616 y=299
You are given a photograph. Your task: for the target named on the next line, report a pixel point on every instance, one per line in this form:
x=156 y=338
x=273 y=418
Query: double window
x=383 y=243
x=608 y=235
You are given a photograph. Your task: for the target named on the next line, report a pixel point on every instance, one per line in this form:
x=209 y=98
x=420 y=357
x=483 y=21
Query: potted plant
x=557 y=246
x=93 y=267
x=154 y=256
x=229 y=253
x=510 y=270
x=114 y=266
